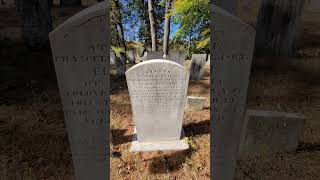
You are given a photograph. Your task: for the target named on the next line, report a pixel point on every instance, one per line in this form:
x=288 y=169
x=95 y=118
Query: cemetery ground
x=34 y=142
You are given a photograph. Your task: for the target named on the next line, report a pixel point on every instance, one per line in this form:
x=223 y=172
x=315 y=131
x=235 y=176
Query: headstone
x=267 y=130
x=198 y=62
x=232 y=47
x=158 y=92
x=131 y=57
x=113 y=57
x=178 y=57
x=154 y=55
x=196 y=103
x=81 y=57
x=121 y=64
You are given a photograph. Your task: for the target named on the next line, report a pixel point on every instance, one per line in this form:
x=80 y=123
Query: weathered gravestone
x=178 y=57
x=266 y=130
x=131 y=57
x=154 y=55
x=232 y=48
x=81 y=57
x=196 y=103
x=158 y=92
x=113 y=57
x=198 y=62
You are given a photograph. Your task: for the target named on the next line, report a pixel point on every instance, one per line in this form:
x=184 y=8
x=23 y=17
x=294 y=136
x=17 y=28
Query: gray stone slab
x=271 y=131
x=154 y=55
x=178 y=57
x=232 y=45
x=158 y=92
x=81 y=57
x=198 y=62
x=196 y=103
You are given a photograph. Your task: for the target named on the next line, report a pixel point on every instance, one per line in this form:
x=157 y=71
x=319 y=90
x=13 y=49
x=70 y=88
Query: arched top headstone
x=158 y=91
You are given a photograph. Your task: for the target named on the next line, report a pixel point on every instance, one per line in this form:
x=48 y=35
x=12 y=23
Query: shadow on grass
x=199 y=128
x=119 y=137
x=170 y=163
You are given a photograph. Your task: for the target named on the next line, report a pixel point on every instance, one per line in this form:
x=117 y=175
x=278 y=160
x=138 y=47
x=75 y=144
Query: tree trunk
x=119 y=9
x=278 y=27
x=70 y=2
x=37 y=22
x=152 y=27
x=229 y=5
x=166 y=29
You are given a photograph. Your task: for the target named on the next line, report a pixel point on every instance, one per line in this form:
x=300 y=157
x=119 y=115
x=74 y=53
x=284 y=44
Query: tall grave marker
x=158 y=92
x=232 y=44
x=81 y=57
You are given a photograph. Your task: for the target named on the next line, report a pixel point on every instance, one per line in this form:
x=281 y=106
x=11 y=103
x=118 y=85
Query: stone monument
x=232 y=45
x=81 y=57
x=158 y=92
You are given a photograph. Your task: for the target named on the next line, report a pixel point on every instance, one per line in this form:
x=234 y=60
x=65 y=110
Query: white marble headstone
x=81 y=57
x=232 y=45
x=158 y=92
x=198 y=62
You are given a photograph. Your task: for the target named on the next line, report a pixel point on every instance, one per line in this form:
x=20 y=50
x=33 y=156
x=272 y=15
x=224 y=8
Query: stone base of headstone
x=196 y=103
x=178 y=145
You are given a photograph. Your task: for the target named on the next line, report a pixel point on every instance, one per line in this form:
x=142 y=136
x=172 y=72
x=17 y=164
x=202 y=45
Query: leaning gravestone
x=266 y=130
x=178 y=57
x=158 y=92
x=81 y=57
x=232 y=48
x=198 y=62
x=154 y=55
